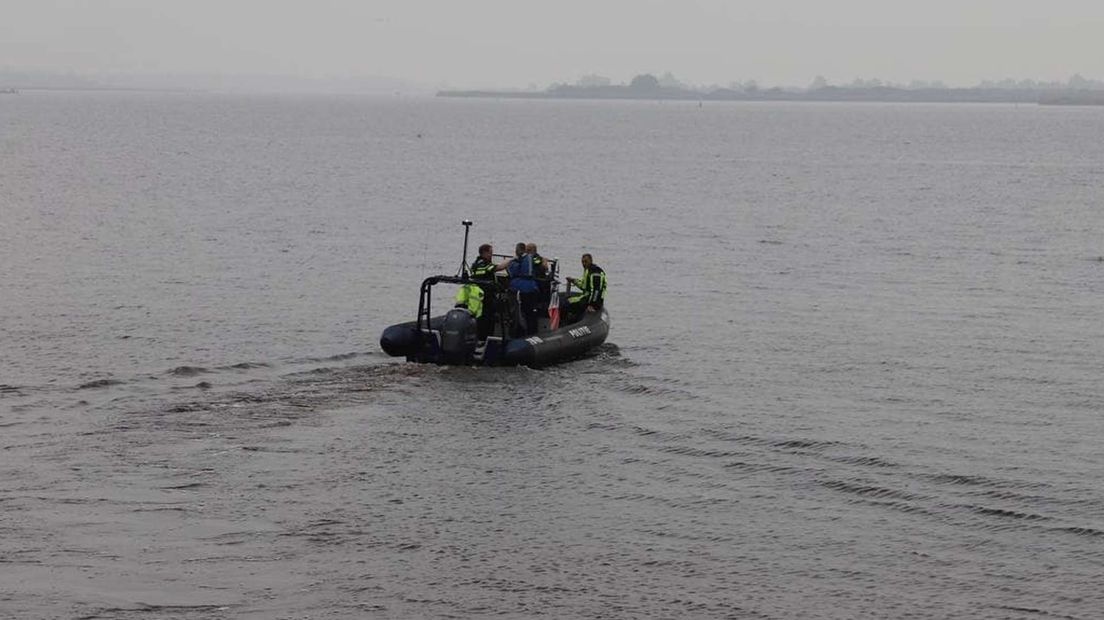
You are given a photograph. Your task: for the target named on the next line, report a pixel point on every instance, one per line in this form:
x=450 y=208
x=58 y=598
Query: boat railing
x=425 y=298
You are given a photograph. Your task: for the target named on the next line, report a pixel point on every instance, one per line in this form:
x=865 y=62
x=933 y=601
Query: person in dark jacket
x=482 y=272
x=483 y=267
x=540 y=271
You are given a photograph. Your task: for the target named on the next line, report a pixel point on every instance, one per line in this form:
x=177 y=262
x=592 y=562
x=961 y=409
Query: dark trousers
x=545 y=288
x=529 y=312
x=485 y=324
x=577 y=310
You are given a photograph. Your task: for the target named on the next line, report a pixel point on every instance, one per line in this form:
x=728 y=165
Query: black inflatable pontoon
x=453 y=337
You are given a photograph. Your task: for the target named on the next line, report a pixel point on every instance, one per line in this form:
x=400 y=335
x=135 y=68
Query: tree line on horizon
x=650 y=82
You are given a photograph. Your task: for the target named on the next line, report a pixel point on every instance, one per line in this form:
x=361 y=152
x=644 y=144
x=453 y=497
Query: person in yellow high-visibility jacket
x=592 y=290
x=470 y=296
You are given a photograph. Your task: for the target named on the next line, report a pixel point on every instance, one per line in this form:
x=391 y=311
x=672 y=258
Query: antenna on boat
x=463 y=273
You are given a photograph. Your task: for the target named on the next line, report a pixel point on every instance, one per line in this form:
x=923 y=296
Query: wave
x=700 y=452
x=869 y=490
x=981 y=481
x=1004 y=513
x=865 y=461
x=797 y=444
x=187 y=371
x=99 y=383
x=340 y=357
x=1090 y=532
x=244 y=366
x=805 y=444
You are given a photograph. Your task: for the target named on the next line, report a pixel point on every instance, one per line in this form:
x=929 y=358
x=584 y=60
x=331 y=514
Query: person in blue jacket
x=523 y=282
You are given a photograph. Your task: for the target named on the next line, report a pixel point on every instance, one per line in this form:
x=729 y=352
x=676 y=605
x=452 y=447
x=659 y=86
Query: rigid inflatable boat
x=453 y=337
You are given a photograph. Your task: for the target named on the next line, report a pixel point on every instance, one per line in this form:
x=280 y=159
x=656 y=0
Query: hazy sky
x=517 y=42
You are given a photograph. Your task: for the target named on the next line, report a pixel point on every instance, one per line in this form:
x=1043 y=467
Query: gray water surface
x=853 y=371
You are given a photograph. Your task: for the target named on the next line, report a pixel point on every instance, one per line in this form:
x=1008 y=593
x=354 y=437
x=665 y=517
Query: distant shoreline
x=1050 y=97
x=827 y=94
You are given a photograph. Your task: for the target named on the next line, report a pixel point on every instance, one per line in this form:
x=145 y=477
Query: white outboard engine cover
x=459 y=335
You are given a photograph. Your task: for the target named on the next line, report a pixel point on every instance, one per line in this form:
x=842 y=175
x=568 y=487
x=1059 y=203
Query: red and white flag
x=554 y=311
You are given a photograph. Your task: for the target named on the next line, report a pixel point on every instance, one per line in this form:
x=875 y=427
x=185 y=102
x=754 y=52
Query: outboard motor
x=459 y=336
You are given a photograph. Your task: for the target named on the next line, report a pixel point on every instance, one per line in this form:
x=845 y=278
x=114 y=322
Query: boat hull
x=547 y=347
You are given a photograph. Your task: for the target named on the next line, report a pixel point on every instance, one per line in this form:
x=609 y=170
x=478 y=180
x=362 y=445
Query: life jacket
x=522 y=277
